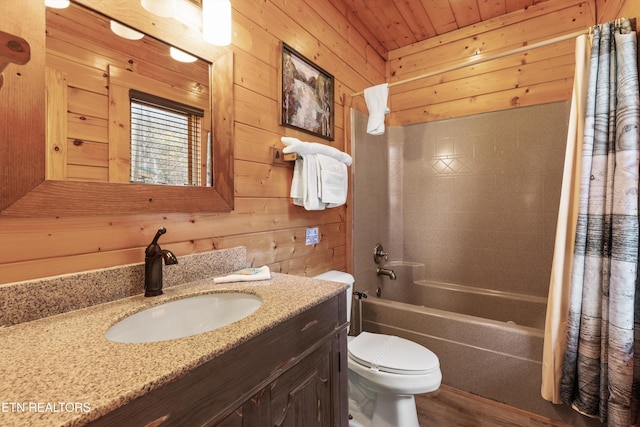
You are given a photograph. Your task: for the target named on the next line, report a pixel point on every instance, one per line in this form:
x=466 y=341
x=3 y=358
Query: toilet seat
x=391 y=354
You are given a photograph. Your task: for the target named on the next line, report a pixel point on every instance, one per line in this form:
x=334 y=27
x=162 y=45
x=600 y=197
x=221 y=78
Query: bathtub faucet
x=386 y=272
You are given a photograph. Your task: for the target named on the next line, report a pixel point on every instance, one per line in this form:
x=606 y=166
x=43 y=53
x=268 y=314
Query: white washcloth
x=376 y=99
x=333 y=181
x=294 y=145
x=246 y=275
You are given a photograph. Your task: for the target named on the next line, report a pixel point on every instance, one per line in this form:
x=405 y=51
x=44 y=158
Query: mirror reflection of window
x=95 y=73
x=165 y=141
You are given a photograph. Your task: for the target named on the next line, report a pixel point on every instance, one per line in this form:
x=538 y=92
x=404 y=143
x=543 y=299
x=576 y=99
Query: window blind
x=165 y=141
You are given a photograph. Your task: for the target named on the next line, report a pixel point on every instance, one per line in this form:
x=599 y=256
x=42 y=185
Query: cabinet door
x=301 y=396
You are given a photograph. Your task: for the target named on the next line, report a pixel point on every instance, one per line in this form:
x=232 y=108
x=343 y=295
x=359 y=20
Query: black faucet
x=153 y=257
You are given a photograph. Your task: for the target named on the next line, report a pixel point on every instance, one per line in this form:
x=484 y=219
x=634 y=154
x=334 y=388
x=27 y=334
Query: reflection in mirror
x=120 y=108
x=27 y=192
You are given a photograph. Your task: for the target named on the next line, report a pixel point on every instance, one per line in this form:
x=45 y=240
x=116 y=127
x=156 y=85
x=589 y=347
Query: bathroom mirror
x=90 y=118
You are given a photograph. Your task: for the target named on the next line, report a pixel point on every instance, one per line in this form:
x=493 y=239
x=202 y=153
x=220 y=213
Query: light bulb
x=162 y=8
x=125 y=32
x=181 y=56
x=57 y=4
x=216 y=22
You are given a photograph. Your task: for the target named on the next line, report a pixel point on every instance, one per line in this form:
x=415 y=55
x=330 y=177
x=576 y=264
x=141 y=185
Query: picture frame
x=306 y=95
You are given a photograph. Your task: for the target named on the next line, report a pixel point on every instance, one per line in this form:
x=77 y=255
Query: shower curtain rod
x=488 y=58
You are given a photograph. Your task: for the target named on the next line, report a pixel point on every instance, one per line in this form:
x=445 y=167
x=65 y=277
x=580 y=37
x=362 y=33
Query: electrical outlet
x=312 y=236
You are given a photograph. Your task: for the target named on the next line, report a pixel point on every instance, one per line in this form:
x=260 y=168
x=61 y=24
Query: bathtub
x=489 y=343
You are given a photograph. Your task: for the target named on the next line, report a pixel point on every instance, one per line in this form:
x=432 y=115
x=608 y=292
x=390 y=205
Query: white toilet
x=385 y=372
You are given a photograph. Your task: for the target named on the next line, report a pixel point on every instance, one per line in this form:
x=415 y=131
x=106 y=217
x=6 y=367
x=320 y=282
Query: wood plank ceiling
x=398 y=23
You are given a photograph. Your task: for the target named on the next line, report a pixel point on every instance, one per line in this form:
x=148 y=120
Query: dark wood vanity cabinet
x=294 y=374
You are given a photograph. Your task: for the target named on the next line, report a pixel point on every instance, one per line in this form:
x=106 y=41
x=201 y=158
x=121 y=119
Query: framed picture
x=306 y=96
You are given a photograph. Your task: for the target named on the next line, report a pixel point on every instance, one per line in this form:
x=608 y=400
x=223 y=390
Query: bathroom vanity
x=283 y=365
x=290 y=375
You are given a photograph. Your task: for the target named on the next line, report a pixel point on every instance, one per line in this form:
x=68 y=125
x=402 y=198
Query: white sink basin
x=184 y=317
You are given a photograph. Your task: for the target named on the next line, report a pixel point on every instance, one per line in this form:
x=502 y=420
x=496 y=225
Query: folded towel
x=333 y=181
x=294 y=145
x=246 y=275
x=297 y=183
x=376 y=99
x=320 y=177
x=310 y=184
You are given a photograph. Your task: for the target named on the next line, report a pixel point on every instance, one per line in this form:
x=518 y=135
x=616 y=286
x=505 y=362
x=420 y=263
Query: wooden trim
x=56 y=166
x=222 y=111
x=136 y=81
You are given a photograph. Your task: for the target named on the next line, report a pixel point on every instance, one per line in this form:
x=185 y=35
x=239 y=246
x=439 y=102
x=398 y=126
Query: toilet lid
x=392 y=354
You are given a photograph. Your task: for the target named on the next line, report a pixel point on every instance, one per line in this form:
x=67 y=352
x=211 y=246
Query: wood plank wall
x=264 y=219
x=533 y=77
x=609 y=10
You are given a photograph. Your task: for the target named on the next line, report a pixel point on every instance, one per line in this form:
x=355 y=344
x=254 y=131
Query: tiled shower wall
x=474 y=199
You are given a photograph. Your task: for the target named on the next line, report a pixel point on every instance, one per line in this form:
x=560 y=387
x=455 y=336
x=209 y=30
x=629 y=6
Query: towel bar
x=278 y=158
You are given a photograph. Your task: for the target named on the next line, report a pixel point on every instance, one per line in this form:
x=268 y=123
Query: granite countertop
x=60 y=370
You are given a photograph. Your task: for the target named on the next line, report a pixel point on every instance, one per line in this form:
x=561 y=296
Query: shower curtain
x=598 y=373
x=558 y=303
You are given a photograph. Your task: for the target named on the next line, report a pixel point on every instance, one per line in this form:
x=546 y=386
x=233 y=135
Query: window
x=166 y=137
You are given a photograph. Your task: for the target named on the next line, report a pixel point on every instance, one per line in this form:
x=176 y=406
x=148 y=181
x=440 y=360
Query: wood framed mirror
x=25 y=191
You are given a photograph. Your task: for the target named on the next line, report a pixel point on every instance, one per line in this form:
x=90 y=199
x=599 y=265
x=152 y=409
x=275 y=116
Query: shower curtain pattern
x=598 y=376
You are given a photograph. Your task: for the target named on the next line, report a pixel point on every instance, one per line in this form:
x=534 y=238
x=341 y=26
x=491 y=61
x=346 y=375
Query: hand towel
x=333 y=181
x=246 y=275
x=297 y=183
x=294 y=145
x=376 y=99
x=311 y=184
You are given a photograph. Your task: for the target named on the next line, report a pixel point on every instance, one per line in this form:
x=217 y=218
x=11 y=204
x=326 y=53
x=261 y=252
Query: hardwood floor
x=449 y=407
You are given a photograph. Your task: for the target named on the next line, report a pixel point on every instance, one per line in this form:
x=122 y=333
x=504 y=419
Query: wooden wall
x=264 y=219
x=611 y=9
x=532 y=77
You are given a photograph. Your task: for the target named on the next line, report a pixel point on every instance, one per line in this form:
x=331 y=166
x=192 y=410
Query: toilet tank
x=340 y=277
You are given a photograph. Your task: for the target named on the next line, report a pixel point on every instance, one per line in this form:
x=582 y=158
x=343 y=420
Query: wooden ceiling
x=398 y=23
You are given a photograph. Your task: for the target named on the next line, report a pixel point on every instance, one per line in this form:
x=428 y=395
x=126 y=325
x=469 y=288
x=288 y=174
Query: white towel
x=376 y=99
x=320 y=177
x=310 y=174
x=305 y=186
x=333 y=181
x=246 y=275
x=297 y=183
x=294 y=145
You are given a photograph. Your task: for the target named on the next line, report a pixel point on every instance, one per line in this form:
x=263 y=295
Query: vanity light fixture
x=188 y=13
x=57 y=4
x=181 y=56
x=125 y=32
x=216 y=22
